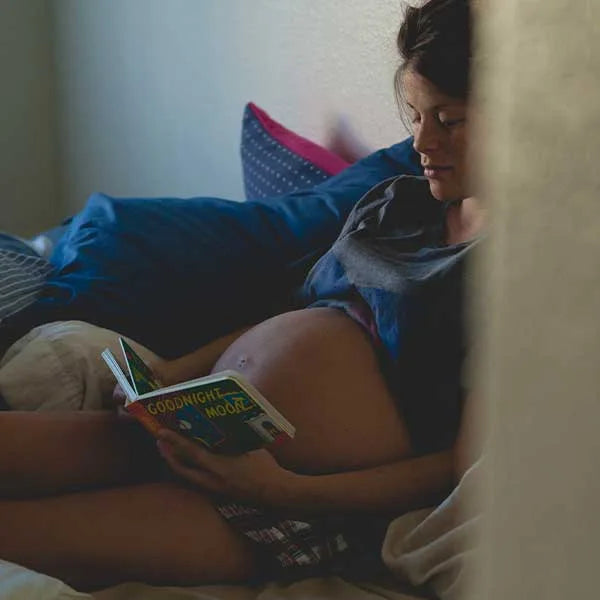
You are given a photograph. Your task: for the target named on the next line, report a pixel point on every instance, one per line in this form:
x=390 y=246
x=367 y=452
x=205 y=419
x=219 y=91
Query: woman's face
x=440 y=131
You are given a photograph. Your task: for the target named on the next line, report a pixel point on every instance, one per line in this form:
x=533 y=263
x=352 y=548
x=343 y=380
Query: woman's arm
x=399 y=487
x=198 y=363
x=257 y=477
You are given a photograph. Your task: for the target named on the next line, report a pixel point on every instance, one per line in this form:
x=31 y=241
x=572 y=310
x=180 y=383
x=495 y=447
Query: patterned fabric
x=309 y=547
x=22 y=274
x=392 y=255
x=277 y=161
x=291 y=542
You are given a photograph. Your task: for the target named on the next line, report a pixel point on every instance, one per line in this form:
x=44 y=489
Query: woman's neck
x=465 y=221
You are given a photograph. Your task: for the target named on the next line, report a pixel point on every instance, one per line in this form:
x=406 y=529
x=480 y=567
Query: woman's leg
x=155 y=532
x=50 y=453
x=160 y=533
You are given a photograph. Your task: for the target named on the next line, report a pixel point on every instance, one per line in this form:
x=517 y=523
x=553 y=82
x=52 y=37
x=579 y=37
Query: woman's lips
x=436 y=172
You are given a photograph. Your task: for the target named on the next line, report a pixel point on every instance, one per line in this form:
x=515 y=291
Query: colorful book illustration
x=222 y=411
x=140 y=375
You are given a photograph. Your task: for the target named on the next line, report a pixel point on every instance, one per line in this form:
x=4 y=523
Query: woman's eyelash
x=449 y=123
x=446 y=123
x=452 y=122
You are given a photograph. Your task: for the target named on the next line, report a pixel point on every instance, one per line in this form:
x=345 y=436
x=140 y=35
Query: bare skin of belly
x=319 y=369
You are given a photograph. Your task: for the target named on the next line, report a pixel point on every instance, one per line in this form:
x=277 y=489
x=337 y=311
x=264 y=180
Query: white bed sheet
x=19 y=583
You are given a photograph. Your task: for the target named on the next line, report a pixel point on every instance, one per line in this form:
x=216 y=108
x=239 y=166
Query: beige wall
x=151 y=92
x=28 y=193
x=541 y=308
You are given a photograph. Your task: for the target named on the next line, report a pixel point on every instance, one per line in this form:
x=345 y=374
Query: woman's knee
x=58 y=366
x=198 y=545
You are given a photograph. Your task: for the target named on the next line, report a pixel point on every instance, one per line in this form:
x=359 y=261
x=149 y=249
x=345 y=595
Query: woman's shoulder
x=415 y=183
x=405 y=198
x=401 y=187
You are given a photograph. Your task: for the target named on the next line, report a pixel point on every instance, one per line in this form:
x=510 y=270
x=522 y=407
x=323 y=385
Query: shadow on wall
x=343 y=139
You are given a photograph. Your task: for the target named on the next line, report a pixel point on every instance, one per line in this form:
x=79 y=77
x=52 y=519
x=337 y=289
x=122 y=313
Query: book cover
x=140 y=375
x=222 y=411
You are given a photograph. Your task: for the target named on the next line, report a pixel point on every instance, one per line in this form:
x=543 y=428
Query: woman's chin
x=443 y=192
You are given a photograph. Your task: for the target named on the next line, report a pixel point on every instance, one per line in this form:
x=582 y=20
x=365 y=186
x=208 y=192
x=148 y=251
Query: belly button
x=242 y=361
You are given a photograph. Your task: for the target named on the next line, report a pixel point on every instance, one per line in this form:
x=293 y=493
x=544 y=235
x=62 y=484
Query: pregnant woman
x=368 y=372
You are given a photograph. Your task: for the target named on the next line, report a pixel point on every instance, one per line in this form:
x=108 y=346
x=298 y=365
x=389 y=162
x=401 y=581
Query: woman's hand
x=118 y=403
x=255 y=476
x=118 y=397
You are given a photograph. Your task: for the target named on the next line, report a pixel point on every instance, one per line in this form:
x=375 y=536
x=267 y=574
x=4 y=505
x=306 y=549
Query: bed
x=122 y=264
x=430 y=552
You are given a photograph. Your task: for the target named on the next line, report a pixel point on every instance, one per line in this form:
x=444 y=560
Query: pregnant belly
x=318 y=368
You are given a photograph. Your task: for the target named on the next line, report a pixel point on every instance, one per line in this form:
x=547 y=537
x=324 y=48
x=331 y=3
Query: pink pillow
x=278 y=161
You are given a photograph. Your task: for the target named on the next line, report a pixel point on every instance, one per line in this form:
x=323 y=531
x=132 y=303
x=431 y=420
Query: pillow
x=70 y=373
x=22 y=274
x=172 y=274
x=45 y=241
x=16 y=244
x=277 y=161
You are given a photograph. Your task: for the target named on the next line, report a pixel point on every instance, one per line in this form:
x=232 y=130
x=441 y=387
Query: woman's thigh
x=160 y=533
x=45 y=453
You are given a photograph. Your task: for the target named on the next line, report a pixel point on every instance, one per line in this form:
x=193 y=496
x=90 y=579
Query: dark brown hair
x=435 y=40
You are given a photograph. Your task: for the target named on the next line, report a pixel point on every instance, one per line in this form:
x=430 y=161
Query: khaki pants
x=58 y=367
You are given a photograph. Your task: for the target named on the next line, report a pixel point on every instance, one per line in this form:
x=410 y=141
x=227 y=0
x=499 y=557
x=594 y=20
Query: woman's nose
x=427 y=138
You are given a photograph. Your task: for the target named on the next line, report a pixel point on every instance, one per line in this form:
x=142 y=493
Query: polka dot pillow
x=277 y=161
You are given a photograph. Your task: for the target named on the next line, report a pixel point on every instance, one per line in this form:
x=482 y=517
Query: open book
x=222 y=411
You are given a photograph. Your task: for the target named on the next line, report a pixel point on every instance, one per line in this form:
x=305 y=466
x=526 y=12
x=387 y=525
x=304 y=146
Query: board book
x=222 y=411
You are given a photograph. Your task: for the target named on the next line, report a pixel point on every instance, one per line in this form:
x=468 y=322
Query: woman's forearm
x=198 y=363
x=401 y=486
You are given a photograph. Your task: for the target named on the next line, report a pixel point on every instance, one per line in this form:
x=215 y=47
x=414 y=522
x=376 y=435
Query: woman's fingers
x=178 y=464
x=123 y=414
x=118 y=397
x=190 y=452
x=251 y=476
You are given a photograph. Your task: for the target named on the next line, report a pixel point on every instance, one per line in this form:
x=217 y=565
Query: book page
x=113 y=365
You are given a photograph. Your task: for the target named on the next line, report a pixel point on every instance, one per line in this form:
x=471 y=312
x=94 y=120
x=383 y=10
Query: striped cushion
x=21 y=278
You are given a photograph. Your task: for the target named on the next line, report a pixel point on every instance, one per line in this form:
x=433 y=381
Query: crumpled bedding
x=430 y=552
x=18 y=583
